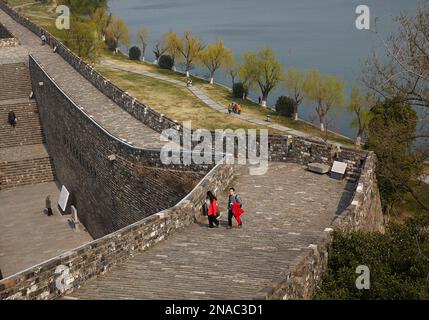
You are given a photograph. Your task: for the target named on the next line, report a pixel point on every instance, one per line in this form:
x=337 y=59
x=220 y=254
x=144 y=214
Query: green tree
x=84 y=7
x=215 y=56
x=294 y=84
x=391 y=135
x=82 y=39
x=325 y=91
x=143 y=35
x=360 y=104
x=190 y=48
x=159 y=50
x=101 y=19
x=117 y=33
x=172 y=44
x=286 y=106
x=233 y=69
x=263 y=69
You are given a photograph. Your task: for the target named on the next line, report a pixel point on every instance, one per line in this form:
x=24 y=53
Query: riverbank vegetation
x=385 y=121
x=397 y=261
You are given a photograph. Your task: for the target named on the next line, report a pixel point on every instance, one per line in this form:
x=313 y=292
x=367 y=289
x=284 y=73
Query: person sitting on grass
x=238 y=108
x=234 y=108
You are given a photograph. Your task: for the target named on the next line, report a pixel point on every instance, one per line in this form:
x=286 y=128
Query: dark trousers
x=50 y=213
x=213 y=220
x=230 y=215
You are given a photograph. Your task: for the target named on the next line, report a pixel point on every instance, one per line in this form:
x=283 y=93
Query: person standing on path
x=212 y=210
x=48 y=206
x=11 y=118
x=234 y=208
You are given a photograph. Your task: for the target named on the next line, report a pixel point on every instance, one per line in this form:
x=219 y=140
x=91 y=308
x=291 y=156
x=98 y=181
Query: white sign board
x=64 y=198
x=339 y=167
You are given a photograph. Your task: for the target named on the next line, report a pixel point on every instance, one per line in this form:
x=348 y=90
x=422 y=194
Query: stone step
x=26 y=172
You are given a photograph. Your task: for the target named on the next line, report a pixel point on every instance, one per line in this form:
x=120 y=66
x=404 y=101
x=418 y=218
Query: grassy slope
x=224 y=96
x=171 y=100
x=175 y=102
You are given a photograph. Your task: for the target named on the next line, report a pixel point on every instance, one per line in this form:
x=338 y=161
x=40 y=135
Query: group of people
x=234 y=108
x=11 y=119
x=234 y=209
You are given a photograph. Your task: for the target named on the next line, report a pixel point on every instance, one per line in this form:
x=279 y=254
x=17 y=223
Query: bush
x=285 y=106
x=166 y=62
x=238 y=90
x=135 y=53
x=397 y=260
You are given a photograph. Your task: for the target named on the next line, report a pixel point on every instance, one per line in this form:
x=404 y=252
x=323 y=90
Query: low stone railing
x=77 y=266
x=300 y=279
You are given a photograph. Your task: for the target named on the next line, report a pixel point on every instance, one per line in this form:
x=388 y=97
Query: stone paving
x=286 y=210
x=27 y=235
x=19 y=153
x=107 y=113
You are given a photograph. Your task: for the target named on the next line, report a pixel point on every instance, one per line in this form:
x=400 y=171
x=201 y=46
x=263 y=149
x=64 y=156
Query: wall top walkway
x=106 y=112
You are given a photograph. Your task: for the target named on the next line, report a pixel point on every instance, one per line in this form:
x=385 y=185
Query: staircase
x=23 y=156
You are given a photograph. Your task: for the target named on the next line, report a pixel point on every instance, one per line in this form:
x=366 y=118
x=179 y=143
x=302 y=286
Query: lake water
x=304 y=34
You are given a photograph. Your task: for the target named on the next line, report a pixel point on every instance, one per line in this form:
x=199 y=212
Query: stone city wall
x=87 y=161
x=97 y=257
x=300 y=280
x=109 y=194
x=6 y=38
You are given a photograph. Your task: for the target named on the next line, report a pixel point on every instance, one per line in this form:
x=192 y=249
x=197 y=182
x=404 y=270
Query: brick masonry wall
x=78 y=158
x=4 y=33
x=6 y=38
x=107 y=194
x=97 y=257
x=364 y=213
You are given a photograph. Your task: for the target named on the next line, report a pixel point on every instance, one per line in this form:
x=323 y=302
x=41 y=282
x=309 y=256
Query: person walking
x=11 y=118
x=234 y=208
x=43 y=38
x=212 y=210
x=48 y=206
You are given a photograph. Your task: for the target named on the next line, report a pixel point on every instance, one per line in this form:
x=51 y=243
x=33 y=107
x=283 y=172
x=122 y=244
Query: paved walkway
x=21 y=153
x=107 y=113
x=285 y=211
x=27 y=235
x=212 y=103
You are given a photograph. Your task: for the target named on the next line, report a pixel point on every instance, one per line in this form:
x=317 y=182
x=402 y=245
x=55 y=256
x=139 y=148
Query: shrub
x=285 y=106
x=238 y=90
x=397 y=260
x=166 y=62
x=135 y=53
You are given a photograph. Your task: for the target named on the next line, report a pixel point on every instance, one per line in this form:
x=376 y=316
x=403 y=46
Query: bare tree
x=405 y=75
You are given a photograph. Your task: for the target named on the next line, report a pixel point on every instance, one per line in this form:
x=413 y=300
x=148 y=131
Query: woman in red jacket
x=212 y=210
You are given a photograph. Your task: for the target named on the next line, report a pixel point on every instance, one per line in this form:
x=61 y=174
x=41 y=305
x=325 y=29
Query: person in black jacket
x=11 y=118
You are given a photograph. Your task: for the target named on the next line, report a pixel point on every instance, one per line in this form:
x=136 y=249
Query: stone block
x=318 y=168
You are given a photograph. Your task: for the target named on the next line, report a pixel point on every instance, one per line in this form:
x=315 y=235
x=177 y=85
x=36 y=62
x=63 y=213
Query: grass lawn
x=224 y=96
x=42 y=14
x=175 y=102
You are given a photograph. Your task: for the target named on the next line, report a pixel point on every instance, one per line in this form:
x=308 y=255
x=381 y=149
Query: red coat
x=213 y=210
x=236 y=210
